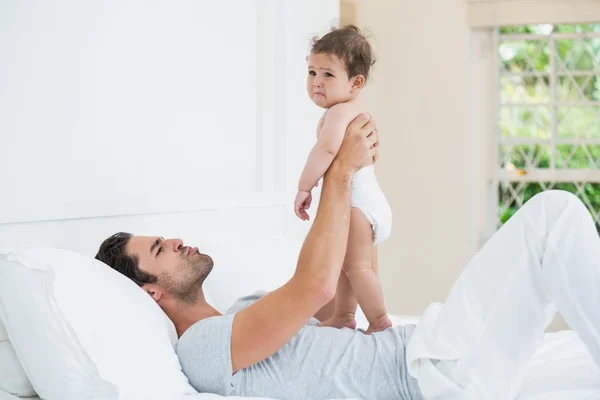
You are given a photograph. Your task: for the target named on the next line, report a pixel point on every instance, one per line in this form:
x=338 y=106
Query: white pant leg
x=546 y=256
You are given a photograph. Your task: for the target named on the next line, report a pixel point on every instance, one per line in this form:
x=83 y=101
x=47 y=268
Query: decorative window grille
x=548 y=115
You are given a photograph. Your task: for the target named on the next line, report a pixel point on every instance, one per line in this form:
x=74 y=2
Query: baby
x=338 y=68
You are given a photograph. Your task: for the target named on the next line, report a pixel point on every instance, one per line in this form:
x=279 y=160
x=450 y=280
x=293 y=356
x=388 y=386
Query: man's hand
x=360 y=147
x=302 y=203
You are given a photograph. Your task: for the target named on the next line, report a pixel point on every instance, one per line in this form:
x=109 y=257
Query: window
x=548 y=115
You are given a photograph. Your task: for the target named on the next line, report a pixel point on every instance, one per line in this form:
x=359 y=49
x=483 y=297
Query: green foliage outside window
x=528 y=106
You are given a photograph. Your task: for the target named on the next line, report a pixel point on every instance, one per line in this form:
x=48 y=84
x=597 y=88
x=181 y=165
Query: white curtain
x=486 y=13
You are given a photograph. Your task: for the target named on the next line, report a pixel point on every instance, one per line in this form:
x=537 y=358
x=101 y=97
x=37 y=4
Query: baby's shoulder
x=343 y=112
x=345 y=108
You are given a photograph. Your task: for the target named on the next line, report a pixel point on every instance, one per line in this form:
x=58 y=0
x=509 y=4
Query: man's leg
x=479 y=342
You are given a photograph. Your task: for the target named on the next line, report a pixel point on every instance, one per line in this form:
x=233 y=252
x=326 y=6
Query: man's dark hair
x=112 y=253
x=350 y=46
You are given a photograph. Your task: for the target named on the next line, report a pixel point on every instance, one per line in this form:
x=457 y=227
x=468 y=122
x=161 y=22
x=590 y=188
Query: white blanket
x=561 y=369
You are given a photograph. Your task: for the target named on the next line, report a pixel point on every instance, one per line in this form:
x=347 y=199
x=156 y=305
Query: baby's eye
x=328 y=75
x=312 y=73
x=159 y=250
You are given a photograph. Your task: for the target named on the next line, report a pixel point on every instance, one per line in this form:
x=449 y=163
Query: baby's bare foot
x=338 y=322
x=379 y=325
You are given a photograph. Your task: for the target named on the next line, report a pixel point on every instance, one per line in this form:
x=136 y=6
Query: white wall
x=114 y=102
x=137 y=107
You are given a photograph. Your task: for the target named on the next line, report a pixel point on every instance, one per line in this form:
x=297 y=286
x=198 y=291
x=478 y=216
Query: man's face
x=181 y=270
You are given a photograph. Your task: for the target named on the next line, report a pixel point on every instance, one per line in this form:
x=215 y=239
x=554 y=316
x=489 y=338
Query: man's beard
x=185 y=284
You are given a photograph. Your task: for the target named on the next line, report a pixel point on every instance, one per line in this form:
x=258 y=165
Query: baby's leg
x=345 y=301
x=345 y=306
x=360 y=265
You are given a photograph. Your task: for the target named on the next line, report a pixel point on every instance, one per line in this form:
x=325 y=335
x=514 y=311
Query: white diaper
x=368 y=197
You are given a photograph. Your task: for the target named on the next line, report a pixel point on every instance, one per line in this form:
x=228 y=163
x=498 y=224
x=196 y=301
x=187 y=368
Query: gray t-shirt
x=317 y=363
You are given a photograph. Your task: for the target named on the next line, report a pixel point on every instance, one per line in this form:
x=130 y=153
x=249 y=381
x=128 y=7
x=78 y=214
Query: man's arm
x=265 y=326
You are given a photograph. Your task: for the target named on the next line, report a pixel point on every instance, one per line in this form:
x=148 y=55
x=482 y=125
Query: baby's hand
x=302 y=203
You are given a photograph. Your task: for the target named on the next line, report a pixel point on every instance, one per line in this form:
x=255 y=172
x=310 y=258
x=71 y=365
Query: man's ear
x=154 y=291
x=358 y=82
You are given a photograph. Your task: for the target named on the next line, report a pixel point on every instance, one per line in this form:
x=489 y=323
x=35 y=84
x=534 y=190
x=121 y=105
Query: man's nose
x=173 y=244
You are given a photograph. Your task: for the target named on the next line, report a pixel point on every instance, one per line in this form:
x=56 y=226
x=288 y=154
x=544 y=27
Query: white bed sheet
x=561 y=369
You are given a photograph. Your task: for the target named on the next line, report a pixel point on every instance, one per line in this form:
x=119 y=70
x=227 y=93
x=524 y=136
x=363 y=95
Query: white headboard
x=260 y=215
x=245 y=237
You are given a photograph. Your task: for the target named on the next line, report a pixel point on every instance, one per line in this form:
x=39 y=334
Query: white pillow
x=82 y=330
x=12 y=377
x=242 y=268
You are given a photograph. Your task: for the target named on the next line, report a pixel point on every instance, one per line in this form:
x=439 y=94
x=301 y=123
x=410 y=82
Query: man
x=475 y=346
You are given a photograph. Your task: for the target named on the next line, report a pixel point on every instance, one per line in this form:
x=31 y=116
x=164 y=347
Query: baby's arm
x=328 y=143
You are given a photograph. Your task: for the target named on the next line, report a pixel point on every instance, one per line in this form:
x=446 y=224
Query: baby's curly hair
x=350 y=46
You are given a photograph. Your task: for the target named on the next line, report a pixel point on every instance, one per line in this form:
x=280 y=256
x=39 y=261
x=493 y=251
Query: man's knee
x=556 y=197
x=555 y=200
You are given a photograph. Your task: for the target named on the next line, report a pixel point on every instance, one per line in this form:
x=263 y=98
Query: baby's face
x=328 y=82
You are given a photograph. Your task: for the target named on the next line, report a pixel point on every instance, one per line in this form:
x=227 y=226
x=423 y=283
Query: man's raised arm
x=265 y=326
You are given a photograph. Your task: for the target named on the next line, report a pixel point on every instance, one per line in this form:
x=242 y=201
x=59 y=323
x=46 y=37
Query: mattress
x=560 y=369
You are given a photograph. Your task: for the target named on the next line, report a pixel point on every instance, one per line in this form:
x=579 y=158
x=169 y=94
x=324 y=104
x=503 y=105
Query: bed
x=561 y=368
